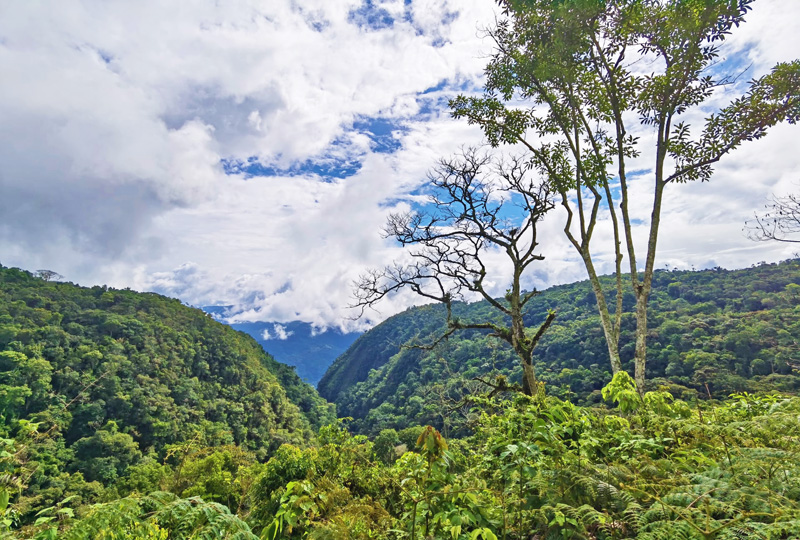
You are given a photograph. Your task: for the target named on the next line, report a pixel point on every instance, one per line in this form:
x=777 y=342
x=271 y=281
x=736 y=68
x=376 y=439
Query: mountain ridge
x=733 y=330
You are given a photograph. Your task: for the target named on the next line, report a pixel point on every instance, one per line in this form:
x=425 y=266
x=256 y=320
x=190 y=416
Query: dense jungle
x=647 y=402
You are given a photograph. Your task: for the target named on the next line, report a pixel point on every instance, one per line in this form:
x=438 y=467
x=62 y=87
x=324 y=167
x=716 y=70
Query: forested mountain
x=96 y=381
x=129 y=415
x=716 y=331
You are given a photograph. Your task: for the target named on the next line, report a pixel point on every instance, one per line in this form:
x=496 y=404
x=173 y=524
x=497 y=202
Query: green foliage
x=550 y=469
x=330 y=491
x=159 y=516
x=105 y=455
x=622 y=391
x=714 y=331
x=657 y=466
x=431 y=444
x=384 y=447
x=222 y=474
x=105 y=393
x=145 y=477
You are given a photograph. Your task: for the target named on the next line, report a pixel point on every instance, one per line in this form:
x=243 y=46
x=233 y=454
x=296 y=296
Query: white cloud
x=279 y=332
x=116 y=117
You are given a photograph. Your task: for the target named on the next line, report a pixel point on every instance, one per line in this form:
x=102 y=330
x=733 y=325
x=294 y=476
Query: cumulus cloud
x=247 y=153
x=279 y=332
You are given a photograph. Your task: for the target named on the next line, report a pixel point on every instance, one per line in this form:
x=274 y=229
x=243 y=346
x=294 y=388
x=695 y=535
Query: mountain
x=295 y=343
x=95 y=380
x=713 y=331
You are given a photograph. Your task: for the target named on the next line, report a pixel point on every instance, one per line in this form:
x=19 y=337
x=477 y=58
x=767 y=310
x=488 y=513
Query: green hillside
x=714 y=331
x=129 y=415
x=102 y=380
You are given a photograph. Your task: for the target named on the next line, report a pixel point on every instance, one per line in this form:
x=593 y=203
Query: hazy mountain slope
x=730 y=330
x=296 y=343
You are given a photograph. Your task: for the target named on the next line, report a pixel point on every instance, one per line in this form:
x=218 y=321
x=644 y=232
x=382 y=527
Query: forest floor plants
x=653 y=468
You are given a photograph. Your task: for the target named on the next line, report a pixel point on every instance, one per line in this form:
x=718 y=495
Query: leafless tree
x=48 y=275
x=478 y=207
x=780 y=222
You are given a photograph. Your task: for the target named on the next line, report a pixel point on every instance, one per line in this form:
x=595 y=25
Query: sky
x=248 y=153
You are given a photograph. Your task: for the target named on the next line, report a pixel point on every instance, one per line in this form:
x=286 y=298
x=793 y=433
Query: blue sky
x=247 y=153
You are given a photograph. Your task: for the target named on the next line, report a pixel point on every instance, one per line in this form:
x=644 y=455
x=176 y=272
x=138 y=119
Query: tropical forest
x=645 y=401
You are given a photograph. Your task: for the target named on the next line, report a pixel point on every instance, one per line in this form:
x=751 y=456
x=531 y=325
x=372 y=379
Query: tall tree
x=588 y=85
x=479 y=208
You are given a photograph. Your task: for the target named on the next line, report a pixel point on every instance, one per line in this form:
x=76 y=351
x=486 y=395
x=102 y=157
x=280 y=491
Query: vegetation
x=76 y=463
x=714 y=331
x=579 y=68
x=105 y=392
x=89 y=376
x=653 y=468
x=128 y=415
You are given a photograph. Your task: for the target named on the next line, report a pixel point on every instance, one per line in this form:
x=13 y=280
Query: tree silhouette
x=479 y=209
x=778 y=223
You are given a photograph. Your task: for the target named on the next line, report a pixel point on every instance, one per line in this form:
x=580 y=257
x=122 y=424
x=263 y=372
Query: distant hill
x=714 y=330
x=296 y=344
x=76 y=359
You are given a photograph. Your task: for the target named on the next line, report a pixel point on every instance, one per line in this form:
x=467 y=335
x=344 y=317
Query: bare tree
x=779 y=223
x=478 y=207
x=48 y=275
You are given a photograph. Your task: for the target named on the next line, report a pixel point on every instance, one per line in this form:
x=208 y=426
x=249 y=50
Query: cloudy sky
x=248 y=152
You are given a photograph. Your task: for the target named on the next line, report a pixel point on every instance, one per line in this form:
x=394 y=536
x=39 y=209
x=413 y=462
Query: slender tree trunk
x=642 y=288
x=530 y=384
x=643 y=293
x=525 y=355
x=640 y=356
x=610 y=330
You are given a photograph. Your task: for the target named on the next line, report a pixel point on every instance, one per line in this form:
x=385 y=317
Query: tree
x=602 y=80
x=479 y=207
x=47 y=275
x=780 y=222
x=107 y=454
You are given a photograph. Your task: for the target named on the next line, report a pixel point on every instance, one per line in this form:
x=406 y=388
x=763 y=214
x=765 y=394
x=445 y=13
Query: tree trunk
x=518 y=339
x=611 y=333
x=642 y=289
x=520 y=345
x=528 y=378
x=531 y=386
x=640 y=357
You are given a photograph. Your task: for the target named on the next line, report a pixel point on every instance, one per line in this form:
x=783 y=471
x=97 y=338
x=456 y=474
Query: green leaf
x=66 y=512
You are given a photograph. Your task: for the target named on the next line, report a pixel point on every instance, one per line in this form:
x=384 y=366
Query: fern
x=160 y=516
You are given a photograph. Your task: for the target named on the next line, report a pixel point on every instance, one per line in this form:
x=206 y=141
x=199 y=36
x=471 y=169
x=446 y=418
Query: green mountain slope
x=714 y=331
x=81 y=360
